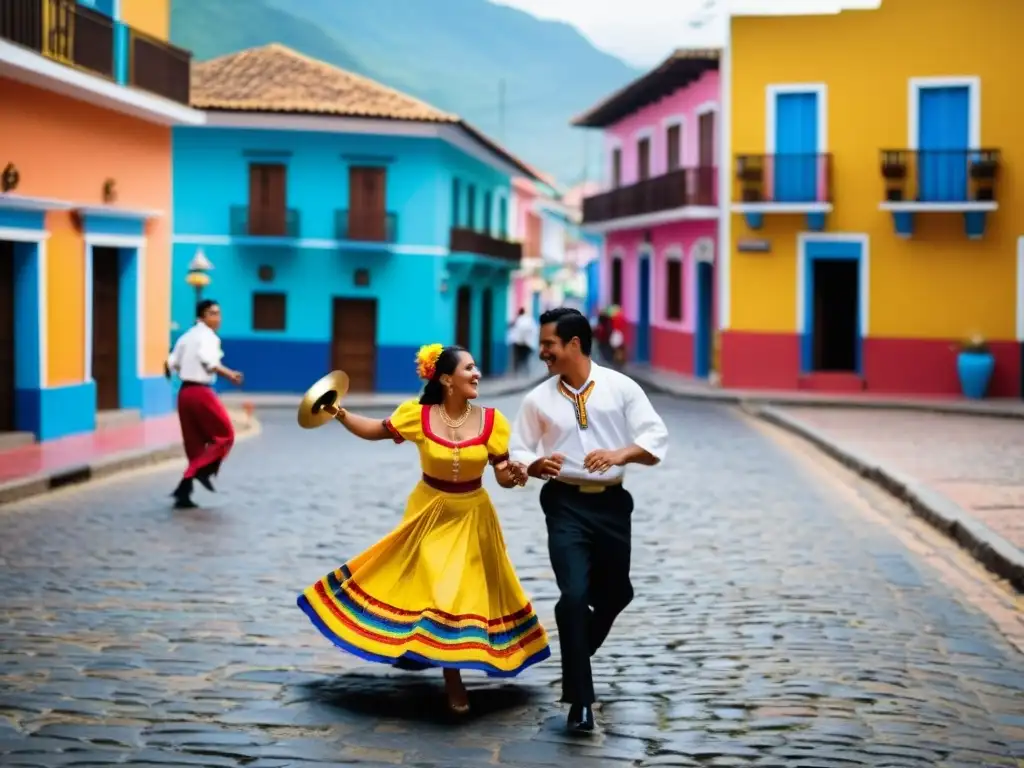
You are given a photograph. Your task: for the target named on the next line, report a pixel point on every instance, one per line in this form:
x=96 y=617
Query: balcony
x=363 y=227
x=272 y=227
x=783 y=184
x=655 y=201
x=84 y=40
x=463 y=240
x=940 y=181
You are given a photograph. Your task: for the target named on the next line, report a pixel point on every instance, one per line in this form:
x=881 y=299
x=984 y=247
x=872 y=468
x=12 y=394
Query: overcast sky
x=643 y=32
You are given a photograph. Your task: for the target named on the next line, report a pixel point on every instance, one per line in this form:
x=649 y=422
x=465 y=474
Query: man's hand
x=600 y=461
x=547 y=467
x=235 y=377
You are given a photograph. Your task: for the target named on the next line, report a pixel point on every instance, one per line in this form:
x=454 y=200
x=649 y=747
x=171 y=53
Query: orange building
x=85 y=210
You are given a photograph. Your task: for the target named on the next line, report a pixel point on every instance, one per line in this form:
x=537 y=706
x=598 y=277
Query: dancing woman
x=439 y=590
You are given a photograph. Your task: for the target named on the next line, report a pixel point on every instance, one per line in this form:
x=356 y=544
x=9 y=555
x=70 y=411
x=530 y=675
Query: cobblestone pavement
x=774 y=625
x=975 y=461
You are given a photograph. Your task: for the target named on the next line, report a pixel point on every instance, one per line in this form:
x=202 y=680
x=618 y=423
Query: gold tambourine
x=327 y=392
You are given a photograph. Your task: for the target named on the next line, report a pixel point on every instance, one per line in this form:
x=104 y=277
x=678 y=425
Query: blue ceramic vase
x=975 y=371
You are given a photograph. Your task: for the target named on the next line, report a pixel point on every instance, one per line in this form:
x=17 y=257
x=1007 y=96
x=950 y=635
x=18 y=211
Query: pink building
x=659 y=212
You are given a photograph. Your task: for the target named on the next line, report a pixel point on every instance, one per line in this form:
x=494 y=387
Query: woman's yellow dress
x=439 y=590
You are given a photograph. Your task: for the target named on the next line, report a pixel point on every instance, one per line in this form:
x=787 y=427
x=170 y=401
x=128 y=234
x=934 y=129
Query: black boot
x=581 y=718
x=183 y=495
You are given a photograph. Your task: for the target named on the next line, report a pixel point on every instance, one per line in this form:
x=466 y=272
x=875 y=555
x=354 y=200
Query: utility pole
x=501 y=110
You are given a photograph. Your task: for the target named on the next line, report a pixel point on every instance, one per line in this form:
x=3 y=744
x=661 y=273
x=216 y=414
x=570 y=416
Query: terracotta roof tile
x=274 y=78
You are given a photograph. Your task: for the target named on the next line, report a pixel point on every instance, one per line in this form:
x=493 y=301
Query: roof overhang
x=460 y=134
x=677 y=71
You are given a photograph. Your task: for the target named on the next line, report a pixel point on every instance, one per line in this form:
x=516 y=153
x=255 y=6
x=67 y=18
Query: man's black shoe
x=206 y=480
x=581 y=718
x=184 y=502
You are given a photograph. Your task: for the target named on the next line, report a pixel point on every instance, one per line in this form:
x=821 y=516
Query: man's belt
x=588 y=486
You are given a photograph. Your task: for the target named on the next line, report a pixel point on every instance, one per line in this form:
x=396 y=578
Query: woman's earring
x=450 y=390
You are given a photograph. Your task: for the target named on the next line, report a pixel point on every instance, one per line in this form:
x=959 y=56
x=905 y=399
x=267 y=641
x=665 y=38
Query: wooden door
x=486 y=331
x=367 y=204
x=106 y=279
x=7 y=421
x=463 y=316
x=268 y=201
x=643 y=159
x=673 y=147
x=354 y=342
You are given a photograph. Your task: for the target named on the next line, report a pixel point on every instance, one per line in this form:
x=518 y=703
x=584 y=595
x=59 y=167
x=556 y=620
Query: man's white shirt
x=610 y=412
x=195 y=354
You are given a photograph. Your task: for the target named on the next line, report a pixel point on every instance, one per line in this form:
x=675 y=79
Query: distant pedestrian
x=577 y=430
x=206 y=428
x=522 y=337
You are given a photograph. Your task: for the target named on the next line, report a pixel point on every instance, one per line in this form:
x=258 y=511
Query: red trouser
x=206 y=428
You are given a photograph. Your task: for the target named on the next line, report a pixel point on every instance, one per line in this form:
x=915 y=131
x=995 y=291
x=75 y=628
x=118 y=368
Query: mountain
x=517 y=78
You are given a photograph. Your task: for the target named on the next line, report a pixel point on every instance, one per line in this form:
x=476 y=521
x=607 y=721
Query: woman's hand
x=510 y=474
x=336 y=412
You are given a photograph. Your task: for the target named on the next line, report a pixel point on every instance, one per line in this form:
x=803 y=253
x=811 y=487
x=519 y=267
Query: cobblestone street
x=774 y=624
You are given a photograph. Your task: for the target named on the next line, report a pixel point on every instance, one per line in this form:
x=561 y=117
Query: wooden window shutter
x=367 y=204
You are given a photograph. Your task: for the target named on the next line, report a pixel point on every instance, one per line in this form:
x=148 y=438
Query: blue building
x=347 y=224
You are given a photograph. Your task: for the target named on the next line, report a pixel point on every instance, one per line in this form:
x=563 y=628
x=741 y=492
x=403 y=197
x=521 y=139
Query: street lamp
x=198 y=270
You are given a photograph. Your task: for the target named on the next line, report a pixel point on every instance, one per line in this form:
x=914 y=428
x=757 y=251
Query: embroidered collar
x=578 y=399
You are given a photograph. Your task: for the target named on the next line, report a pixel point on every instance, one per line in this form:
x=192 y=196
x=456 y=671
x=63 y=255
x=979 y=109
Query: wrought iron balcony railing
x=940 y=176
x=463 y=240
x=256 y=222
x=784 y=179
x=675 y=189
x=79 y=37
x=365 y=227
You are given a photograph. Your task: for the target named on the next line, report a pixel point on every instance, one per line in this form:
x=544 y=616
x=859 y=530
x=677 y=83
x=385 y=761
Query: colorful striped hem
x=412 y=660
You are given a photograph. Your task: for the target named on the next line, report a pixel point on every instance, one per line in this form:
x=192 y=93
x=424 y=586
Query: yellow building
x=875 y=215
x=94 y=90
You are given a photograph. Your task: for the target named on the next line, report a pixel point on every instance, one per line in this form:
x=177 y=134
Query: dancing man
x=578 y=429
x=206 y=428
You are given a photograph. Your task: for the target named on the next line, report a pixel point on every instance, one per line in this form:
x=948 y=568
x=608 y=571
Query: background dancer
x=578 y=429
x=206 y=427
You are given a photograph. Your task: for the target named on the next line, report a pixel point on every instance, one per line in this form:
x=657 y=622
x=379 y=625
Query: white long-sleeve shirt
x=610 y=412
x=196 y=353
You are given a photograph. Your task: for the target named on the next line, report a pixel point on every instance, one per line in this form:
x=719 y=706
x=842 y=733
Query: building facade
x=659 y=214
x=871 y=231
x=347 y=224
x=85 y=211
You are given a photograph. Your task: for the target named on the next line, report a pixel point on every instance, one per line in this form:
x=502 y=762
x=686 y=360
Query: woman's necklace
x=454 y=424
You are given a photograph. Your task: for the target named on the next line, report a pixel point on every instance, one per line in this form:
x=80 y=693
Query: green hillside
x=465 y=56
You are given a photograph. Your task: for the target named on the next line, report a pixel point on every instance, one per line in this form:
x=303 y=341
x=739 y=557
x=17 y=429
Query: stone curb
x=984 y=544
x=388 y=402
x=18 y=490
x=737 y=398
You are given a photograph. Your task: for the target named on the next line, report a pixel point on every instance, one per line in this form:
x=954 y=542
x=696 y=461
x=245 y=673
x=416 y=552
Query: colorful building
x=347 y=224
x=85 y=210
x=659 y=214
x=556 y=252
x=873 y=197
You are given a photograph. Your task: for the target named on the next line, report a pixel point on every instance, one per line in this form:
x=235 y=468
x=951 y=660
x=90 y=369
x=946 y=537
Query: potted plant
x=974 y=366
x=984 y=168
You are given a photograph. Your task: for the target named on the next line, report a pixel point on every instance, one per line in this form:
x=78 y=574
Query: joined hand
x=600 y=461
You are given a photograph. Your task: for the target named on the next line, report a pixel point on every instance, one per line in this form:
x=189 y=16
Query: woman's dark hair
x=447 y=362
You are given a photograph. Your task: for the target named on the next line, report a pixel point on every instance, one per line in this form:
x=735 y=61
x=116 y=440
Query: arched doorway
x=486 y=331
x=463 y=316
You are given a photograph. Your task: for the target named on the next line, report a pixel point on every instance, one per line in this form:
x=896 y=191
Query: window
x=616 y=168
x=367 y=207
x=674 y=289
x=643 y=159
x=673 y=147
x=502 y=218
x=268 y=214
x=456 y=203
x=706 y=128
x=488 y=203
x=471 y=207
x=617 y=281
x=268 y=311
